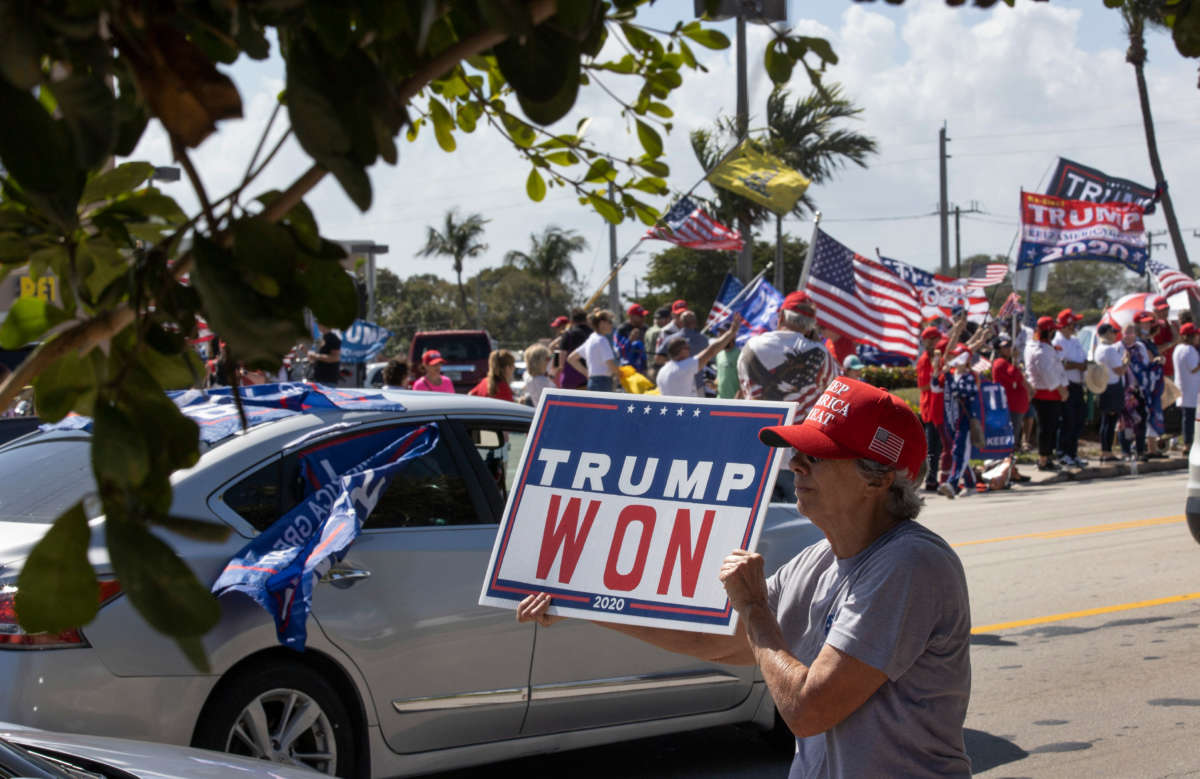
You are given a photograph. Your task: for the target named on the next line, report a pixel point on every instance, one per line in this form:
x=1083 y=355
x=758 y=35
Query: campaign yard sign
x=1054 y=229
x=624 y=507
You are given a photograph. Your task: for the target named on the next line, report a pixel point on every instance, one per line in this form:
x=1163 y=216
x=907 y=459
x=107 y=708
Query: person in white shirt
x=1186 y=359
x=598 y=353
x=1074 y=409
x=678 y=376
x=1049 y=379
x=1111 y=354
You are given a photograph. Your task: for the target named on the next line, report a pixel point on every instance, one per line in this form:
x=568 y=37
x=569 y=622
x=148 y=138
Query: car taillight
x=13 y=637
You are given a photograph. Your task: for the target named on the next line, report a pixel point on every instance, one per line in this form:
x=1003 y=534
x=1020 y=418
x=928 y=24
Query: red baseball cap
x=942 y=343
x=559 y=321
x=636 y=310
x=1046 y=323
x=800 y=302
x=678 y=305
x=432 y=357
x=1160 y=303
x=1067 y=316
x=1187 y=328
x=1143 y=316
x=930 y=332
x=852 y=419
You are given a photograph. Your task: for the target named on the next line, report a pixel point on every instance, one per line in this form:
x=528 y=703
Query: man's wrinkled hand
x=742 y=575
x=533 y=609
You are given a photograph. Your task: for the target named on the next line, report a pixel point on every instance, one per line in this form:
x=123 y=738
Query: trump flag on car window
x=624 y=508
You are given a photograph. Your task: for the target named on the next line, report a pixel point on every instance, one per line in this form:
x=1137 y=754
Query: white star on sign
x=662 y=411
x=696 y=413
x=646 y=410
x=679 y=412
x=630 y=408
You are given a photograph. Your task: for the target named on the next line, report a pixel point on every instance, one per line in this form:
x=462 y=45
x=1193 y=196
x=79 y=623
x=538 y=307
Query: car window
x=256 y=498
x=429 y=491
x=44 y=479
x=499 y=447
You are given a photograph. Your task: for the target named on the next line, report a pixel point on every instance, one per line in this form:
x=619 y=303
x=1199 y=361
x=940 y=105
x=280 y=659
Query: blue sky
x=1016 y=87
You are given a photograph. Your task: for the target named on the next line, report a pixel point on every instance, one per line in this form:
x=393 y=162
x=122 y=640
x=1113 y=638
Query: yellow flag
x=758 y=176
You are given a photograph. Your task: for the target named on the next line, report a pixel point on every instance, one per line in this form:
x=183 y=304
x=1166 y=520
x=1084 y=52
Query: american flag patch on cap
x=887 y=444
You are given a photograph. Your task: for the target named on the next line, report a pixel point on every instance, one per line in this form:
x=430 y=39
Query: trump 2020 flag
x=279 y=567
x=720 y=311
x=998 y=438
x=363 y=340
x=1054 y=229
x=757 y=303
x=941 y=295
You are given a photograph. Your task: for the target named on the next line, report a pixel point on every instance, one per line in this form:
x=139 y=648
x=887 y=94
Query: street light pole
x=370 y=250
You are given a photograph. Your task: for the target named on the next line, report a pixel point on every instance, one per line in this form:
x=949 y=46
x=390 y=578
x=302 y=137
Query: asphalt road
x=1085 y=599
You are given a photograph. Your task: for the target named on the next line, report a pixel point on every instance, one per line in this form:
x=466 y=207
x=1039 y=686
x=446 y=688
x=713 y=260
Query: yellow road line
x=1020 y=623
x=1079 y=531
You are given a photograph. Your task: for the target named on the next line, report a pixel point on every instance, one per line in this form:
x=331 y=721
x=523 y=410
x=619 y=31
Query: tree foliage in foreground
x=80 y=81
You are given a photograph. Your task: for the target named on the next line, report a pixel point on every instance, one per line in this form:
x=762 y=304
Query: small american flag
x=886 y=444
x=1012 y=306
x=987 y=275
x=686 y=224
x=1171 y=280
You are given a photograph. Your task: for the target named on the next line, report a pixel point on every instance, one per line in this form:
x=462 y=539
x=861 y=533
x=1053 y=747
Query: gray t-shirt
x=899 y=606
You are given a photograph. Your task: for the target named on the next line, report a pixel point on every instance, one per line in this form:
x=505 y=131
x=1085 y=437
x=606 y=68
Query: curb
x=1114 y=470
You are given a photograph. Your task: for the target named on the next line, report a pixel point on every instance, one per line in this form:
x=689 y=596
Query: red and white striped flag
x=863 y=300
x=686 y=224
x=1171 y=280
x=1011 y=307
x=986 y=275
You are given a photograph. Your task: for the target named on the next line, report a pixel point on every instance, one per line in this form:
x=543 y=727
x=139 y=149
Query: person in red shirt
x=497 y=384
x=1164 y=334
x=933 y=412
x=1016 y=387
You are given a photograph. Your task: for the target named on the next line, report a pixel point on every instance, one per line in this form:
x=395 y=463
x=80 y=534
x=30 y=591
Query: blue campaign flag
x=998 y=438
x=873 y=355
x=363 y=340
x=279 y=567
x=759 y=307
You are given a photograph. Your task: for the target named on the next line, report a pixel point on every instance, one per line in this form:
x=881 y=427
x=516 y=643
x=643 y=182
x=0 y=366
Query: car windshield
x=455 y=348
x=43 y=479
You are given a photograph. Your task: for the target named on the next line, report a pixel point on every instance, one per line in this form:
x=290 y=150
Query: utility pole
x=944 y=205
x=745 y=260
x=974 y=209
x=614 y=292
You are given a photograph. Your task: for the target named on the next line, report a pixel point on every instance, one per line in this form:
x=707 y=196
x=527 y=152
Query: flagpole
x=808 y=255
x=621 y=262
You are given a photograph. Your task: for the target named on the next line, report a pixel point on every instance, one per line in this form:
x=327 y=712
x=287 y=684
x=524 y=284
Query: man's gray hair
x=801 y=323
x=903 y=500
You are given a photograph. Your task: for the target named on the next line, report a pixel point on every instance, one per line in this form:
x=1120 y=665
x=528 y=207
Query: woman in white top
x=1187 y=376
x=1049 y=379
x=1111 y=354
x=597 y=352
x=537 y=359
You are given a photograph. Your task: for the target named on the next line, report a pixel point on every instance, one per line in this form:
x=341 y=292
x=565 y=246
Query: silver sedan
x=403 y=673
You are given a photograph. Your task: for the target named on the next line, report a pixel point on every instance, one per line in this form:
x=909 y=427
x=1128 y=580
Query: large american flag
x=986 y=275
x=1170 y=280
x=862 y=299
x=686 y=224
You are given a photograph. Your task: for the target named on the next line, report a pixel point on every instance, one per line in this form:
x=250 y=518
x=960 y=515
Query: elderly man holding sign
x=862 y=639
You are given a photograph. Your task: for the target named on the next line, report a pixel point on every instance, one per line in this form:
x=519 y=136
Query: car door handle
x=346 y=577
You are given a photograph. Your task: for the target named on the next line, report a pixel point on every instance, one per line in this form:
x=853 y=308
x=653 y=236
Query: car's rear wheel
x=287 y=715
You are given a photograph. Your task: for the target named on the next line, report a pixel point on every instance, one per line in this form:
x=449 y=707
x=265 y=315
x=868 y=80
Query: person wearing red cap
x=1164 y=333
x=1074 y=409
x=433 y=380
x=1187 y=375
x=929 y=384
x=790 y=362
x=1049 y=379
x=678 y=309
x=630 y=346
x=863 y=639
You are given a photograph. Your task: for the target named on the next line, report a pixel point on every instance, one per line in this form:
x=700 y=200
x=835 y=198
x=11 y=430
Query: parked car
x=403 y=672
x=28 y=752
x=1192 y=507
x=465 y=352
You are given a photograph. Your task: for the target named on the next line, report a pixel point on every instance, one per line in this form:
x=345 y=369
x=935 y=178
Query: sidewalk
x=1176 y=461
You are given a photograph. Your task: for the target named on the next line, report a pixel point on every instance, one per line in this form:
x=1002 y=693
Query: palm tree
x=460 y=241
x=1137 y=14
x=803 y=134
x=549 y=258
